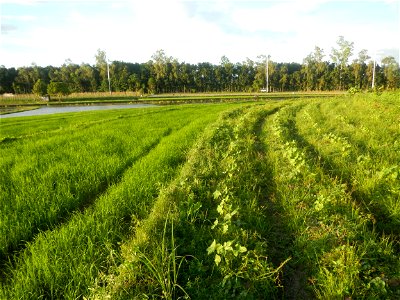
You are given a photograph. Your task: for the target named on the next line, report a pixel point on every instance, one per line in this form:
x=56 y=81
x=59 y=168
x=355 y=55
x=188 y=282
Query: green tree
x=340 y=58
x=39 y=88
x=320 y=68
x=227 y=74
x=7 y=77
x=184 y=76
x=283 y=81
x=59 y=89
x=101 y=64
x=309 y=73
x=151 y=85
x=314 y=70
x=85 y=79
x=391 y=72
x=359 y=69
x=260 y=72
x=119 y=76
x=159 y=69
x=134 y=83
x=26 y=78
x=295 y=80
x=246 y=75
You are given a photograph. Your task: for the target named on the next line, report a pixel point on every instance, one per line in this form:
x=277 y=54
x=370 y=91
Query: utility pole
x=108 y=76
x=373 y=74
x=267 y=74
x=378 y=53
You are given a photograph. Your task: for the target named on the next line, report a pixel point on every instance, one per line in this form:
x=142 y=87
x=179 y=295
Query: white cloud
x=287 y=16
x=191 y=31
x=22 y=18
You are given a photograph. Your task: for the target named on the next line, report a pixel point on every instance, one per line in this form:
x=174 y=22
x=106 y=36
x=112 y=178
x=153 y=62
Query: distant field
x=127 y=97
x=295 y=198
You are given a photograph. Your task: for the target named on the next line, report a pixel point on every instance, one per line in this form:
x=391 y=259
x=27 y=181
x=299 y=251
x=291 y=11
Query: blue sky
x=49 y=32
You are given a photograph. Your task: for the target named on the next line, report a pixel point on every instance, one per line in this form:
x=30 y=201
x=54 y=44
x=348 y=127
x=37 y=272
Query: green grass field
x=266 y=199
x=24 y=101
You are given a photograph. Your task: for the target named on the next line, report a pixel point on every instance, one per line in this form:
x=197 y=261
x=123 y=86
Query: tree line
x=164 y=74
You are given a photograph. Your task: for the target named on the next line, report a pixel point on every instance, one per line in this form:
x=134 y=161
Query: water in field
x=76 y=108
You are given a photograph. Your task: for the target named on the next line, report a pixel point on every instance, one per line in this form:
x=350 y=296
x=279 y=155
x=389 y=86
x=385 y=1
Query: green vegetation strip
x=290 y=199
x=77 y=250
x=363 y=148
x=104 y=98
x=335 y=253
x=14 y=109
x=221 y=226
x=61 y=173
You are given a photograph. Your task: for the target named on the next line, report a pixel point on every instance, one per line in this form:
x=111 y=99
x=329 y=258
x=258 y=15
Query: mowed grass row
x=45 y=178
x=358 y=140
x=65 y=261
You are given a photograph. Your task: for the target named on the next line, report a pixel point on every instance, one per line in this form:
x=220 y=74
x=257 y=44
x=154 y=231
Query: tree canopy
x=56 y=88
x=165 y=74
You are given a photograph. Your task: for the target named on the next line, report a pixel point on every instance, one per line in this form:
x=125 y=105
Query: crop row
x=62 y=174
x=335 y=253
x=259 y=210
x=289 y=199
x=216 y=213
x=361 y=146
x=64 y=261
x=47 y=177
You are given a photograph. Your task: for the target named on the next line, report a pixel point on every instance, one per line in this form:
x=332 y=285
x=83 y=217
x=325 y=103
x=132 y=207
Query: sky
x=50 y=32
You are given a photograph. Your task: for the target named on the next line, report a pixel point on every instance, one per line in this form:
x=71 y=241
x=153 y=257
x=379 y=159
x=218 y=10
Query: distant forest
x=163 y=74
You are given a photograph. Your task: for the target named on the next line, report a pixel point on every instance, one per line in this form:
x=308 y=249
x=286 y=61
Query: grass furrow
x=333 y=248
x=278 y=199
x=48 y=179
x=365 y=159
x=217 y=201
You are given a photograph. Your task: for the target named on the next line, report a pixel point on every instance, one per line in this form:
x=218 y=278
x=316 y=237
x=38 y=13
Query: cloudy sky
x=49 y=32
